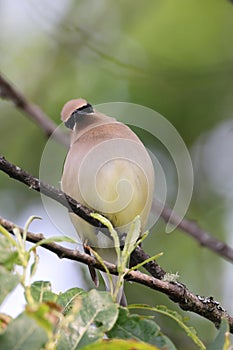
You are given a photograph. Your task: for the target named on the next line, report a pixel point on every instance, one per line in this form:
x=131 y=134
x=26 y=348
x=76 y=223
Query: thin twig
x=200 y=235
x=206 y=307
x=9 y=92
x=33 y=183
x=72 y=205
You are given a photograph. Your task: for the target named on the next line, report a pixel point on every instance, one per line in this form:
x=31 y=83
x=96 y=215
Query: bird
x=109 y=170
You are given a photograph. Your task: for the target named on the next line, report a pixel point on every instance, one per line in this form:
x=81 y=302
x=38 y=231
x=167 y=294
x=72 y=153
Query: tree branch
x=72 y=205
x=200 y=235
x=9 y=92
x=34 y=112
x=33 y=183
x=206 y=307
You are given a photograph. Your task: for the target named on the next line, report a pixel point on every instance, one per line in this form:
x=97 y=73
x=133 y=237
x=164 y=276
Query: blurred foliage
x=173 y=56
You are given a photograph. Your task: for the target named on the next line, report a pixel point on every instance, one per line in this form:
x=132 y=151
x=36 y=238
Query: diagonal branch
x=35 y=184
x=204 y=238
x=179 y=293
x=206 y=307
x=72 y=205
x=9 y=92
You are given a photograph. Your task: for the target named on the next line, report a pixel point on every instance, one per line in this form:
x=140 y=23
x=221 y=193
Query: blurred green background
x=174 y=56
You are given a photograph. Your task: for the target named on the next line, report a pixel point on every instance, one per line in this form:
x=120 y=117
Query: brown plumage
x=107 y=169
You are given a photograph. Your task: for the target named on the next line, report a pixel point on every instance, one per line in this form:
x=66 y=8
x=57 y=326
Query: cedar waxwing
x=109 y=170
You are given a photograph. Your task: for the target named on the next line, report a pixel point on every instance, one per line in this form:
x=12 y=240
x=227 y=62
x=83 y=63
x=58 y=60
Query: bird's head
x=73 y=109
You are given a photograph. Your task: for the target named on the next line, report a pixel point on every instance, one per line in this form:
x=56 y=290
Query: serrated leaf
x=66 y=299
x=8 y=282
x=139 y=328
x=221 y=339
x=133 y=327
x=23 y=333
x=94 y=313
x=119 y=344
x=42 y=291
x=191 y=332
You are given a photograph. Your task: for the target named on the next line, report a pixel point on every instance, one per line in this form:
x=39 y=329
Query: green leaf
x=133 y=327
x=8 y=236
x=94 y=313
x=191 y=332
x=140 y=329
x=42 y=291
x=66 y=300
x=112 y=231
x=34 y=265
x=23 y=333
x=221 y=339
x=26 y=228
x=154 y=257
x=132 y=236
x=8 y=282
x=8 y=255
x=44 y=315
x=119 y=344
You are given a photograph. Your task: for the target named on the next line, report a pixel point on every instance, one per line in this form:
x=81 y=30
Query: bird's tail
x=109 y=254
x=120 y=298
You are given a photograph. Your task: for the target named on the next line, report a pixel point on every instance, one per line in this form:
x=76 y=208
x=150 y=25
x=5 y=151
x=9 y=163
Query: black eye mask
x=87 y=109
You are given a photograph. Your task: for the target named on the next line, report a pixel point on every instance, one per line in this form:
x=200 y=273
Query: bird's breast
x=110 y=171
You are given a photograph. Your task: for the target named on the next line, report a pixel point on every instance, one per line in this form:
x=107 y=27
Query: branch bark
x=204 y=238
x=72 y=205
x=34 y=112
x=33 y=183
x=179 y=293
x=206 y=307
